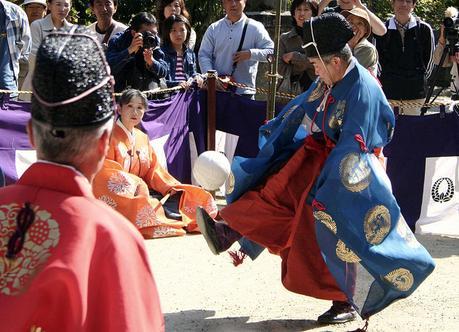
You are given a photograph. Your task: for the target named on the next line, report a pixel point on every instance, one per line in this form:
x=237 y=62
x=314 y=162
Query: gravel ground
x=203 y=292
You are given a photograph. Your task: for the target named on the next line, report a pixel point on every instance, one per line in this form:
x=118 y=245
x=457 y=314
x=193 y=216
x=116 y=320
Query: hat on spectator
x=361 y=13
x=326 y=34
x=72 y=86
x=40 y=2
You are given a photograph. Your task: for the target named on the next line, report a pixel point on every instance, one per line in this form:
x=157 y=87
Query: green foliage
x=431 y=11
x=204 y=12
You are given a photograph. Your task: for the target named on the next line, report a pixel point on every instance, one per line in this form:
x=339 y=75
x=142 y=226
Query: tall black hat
x=72 y=86
x=327 y=33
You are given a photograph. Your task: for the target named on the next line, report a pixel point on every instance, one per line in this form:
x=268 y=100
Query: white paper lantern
x=211 y=169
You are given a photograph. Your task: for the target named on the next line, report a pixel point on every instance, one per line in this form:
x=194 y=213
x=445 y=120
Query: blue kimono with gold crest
x=364 y=240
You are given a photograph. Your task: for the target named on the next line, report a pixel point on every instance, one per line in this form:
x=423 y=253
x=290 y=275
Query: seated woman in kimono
x=134 y=183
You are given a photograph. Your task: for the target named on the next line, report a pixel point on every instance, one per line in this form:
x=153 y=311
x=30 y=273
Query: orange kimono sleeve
x=157 y=178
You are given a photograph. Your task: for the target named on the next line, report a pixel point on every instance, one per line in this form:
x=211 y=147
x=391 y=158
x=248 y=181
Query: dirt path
x=202 y=292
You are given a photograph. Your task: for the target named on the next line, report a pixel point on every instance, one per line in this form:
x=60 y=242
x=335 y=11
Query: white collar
x=243 y=17
x=393 y=26
x=130 y=135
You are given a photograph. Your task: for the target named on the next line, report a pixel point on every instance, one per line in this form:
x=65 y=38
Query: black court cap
x=72 y=86
x=330 y=32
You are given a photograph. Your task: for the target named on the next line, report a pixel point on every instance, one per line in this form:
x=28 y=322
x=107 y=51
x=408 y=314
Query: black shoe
x=207 y=227
x=340 y=312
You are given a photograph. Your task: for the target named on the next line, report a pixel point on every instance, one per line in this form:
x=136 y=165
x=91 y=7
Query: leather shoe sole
x=207 y=227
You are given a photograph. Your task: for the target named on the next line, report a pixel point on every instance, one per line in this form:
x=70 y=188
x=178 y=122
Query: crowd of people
x=399 y=51
x=317 y=194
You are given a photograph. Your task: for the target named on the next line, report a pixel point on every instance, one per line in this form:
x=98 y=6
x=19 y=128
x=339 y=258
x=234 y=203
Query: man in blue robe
x=317 y=194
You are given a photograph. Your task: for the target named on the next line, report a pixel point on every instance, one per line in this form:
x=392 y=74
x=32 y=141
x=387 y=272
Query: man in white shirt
x=105 y=27
x=220 y=46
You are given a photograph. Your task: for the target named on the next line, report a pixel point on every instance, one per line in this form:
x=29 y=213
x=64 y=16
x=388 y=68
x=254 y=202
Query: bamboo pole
x=271 y=103
x=211 y=109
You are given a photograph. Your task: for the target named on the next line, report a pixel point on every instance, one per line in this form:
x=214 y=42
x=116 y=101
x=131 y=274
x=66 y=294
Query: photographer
x=449 y=40
x=135 y=57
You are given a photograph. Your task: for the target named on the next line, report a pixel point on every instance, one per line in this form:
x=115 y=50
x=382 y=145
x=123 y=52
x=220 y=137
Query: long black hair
x=167 y=27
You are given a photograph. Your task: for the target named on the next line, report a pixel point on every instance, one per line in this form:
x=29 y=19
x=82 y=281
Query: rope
x=261 y=91
x=157 y=91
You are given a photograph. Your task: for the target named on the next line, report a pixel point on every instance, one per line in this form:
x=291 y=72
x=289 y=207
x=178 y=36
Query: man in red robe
x=68 y=262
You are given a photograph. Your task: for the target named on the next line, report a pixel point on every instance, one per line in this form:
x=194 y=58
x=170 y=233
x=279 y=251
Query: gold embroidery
x=354 y=172
x=402 y=279
x=336 y=119
x=42 y=236
x=346 y=254
x=326 y=219
x=318 y=92
x=377 y=224
x=290 y=111
x=230 y=184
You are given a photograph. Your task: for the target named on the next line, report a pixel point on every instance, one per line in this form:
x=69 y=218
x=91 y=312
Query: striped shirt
x=179 y=72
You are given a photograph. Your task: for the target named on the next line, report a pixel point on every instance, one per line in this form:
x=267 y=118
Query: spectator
x=167 y=8
x=377 y=26
x=35 y=9
x=450 y=60
x=105 y=27
x=54 y=21
x=180 y=58
x=68 y=261
x=294 y=66
x=405 y=55
x=364 y=51
x=135 y=57
x=219 y=47
x=15 y=44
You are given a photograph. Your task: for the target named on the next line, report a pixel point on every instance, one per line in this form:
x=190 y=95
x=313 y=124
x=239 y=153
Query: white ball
x=211 y=170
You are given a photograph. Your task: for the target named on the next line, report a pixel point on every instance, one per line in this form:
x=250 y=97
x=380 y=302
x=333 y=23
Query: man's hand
x=356 y=39
x=148 y=56
x=287 y=57
x=241 y=56
x=136 y=43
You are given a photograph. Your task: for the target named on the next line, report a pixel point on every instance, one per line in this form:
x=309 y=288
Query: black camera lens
x=149 y=40
x=448 y=22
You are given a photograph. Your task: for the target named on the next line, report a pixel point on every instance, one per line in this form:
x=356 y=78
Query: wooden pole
x=211 y=109
x=271 y=103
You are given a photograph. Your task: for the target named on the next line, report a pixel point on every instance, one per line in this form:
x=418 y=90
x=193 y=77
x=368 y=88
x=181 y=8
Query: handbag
x=290 y=83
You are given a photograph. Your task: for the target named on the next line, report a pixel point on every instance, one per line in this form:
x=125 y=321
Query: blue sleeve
x=160 y=67
x=117 y=55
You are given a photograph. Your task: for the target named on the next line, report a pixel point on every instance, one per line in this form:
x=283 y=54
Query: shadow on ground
x=440 y=246
x=201 y=320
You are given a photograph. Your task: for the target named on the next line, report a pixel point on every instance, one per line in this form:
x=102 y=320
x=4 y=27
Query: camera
x=452 y=32
x=149 y=40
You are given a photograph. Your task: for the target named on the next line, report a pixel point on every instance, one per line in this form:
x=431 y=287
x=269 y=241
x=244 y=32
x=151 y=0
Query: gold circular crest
x=42 y=236
x=230 y=184
x=354 y=172
x=377 y=224
x=336 y=119
x=346 y=254
x=402 y=279
x=326 y=219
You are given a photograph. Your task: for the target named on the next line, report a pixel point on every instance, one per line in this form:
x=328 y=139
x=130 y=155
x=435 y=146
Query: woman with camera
x=135 y=57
